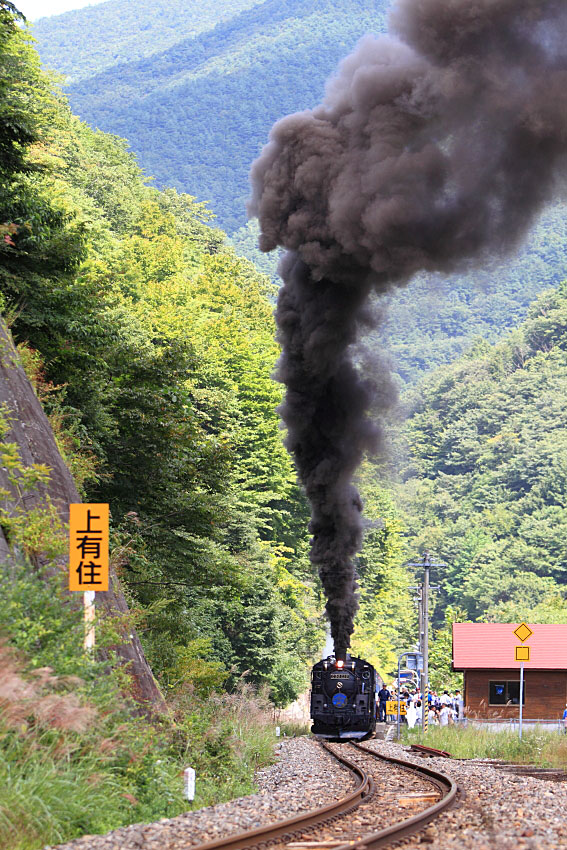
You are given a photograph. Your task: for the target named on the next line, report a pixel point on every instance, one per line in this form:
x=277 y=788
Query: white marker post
x=90 y=612
x=189 y=783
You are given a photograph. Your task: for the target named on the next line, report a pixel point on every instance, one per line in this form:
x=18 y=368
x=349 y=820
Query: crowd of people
x=443 y=709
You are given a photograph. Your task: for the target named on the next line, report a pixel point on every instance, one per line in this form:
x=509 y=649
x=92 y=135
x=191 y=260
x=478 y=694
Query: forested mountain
x=485 y=472
x=436 y=318
x=89 y=40
x=195 y=89
x=198 y=109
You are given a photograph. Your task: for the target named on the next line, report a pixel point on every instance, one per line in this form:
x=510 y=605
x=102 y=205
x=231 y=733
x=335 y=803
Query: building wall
x=546 y=693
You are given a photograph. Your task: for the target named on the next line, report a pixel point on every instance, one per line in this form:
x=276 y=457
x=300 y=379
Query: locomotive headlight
x=340 y=663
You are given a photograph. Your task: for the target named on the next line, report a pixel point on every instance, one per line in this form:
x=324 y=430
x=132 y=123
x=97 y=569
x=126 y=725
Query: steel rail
x=254 y=837
x=430 y=751
x=389 y=834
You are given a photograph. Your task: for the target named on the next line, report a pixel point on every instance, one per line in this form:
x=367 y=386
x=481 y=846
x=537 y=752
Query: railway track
x=351 y=821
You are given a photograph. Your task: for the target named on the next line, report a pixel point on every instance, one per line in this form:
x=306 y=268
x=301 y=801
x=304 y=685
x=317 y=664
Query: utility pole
x=425 y=646
x=421 y=625
x=426 y=564
x=418 y=598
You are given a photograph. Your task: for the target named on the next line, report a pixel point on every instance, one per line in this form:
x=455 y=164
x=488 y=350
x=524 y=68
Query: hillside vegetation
x=151 y=349
x=485 y=472
x=153 y=346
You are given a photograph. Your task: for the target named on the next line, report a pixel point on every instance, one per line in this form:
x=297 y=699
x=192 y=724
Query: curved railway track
x=293 y=830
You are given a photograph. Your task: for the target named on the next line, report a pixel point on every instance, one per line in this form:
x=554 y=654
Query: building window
x=506 y=693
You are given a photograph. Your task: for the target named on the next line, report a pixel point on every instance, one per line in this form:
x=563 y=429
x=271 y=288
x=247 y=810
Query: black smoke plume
x=432 y=149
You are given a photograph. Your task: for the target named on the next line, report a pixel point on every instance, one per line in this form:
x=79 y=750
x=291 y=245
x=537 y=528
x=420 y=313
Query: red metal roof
x=491 y=646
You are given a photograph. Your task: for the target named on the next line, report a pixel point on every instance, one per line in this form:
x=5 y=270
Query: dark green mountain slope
x=197 y=113
x=486 y=471
x=437 y=318
x=89 y=40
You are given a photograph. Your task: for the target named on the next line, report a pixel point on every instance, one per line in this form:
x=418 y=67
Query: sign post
x=521 y=696
x=522 y=653
x=90 y=612
x=88 y=558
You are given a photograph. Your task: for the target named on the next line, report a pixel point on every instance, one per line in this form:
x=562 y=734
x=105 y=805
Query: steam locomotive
x=343 y=698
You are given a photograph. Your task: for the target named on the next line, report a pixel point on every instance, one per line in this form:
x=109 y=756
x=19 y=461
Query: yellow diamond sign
x=523 y=632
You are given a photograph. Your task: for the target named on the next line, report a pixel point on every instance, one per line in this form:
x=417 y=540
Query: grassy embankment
x=541 y=748
x=75 y=759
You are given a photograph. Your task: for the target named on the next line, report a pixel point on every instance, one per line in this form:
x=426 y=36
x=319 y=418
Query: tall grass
x=537 y=747
x=75 y=758
x=227 y=738
x=46 y=798
x=59 y=781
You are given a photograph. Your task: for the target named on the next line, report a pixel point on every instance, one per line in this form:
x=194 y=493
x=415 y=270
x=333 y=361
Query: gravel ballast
x=499 y=810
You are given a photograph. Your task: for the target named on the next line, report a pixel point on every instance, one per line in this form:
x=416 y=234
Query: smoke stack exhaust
x=432 y=149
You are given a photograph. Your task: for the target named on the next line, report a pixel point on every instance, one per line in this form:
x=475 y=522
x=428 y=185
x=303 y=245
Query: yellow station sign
x=88 y=548
x=392 y=707
x=522 y=653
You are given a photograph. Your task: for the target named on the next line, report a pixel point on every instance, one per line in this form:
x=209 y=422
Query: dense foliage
x=76 y=754
x=151 y=345
x=485 y=472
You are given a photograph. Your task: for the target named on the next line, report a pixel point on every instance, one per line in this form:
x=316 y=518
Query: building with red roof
x=490 y=656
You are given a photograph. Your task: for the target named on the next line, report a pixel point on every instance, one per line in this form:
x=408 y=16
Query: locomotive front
x=343 y=698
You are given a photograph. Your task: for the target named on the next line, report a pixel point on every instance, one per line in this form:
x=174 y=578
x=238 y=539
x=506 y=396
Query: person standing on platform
x=459 y=707
x=418 y=711
x=411 y=714
x=383 y=696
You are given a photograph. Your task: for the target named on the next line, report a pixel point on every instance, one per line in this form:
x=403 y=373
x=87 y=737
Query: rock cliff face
x=31 y=430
